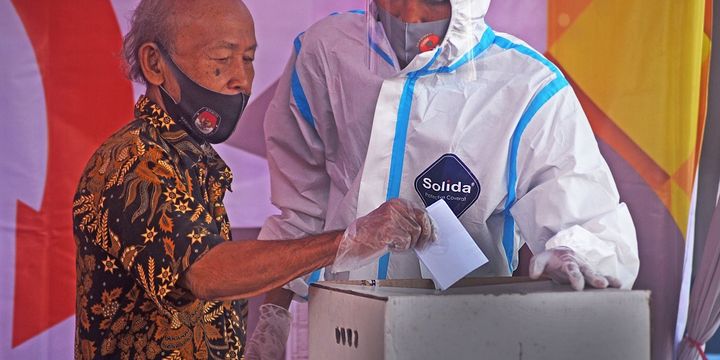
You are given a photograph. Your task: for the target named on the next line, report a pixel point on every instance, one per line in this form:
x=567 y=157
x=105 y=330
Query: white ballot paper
x=454 y=254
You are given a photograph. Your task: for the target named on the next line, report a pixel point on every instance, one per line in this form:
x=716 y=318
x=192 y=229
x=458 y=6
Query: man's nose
x=241 y=79
x=411 y=12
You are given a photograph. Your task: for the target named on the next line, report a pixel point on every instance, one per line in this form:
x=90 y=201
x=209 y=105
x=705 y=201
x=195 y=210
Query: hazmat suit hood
x=466 y=13
x=467 y=24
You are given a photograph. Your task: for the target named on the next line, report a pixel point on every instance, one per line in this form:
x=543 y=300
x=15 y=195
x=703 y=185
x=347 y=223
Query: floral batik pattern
x=149 y=204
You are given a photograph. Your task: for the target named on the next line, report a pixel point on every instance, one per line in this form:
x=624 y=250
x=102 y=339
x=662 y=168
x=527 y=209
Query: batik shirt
x=149 y=204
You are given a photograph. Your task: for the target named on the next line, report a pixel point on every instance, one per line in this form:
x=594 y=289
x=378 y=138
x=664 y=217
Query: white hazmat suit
x=483 y=121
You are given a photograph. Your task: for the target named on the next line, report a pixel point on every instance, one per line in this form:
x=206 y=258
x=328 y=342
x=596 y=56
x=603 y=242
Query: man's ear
x=152 y=64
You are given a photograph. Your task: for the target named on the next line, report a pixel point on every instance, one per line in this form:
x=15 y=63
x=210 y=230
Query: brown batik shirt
x=149 y=204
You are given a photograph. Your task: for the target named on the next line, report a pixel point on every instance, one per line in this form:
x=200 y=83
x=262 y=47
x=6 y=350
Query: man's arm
x=241 y=269
x=568 y=207
x=246 y=268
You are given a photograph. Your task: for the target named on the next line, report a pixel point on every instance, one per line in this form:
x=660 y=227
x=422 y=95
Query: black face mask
x=208 y=115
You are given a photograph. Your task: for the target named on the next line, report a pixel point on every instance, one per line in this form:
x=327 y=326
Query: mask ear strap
x=180 y=75
x=162 y=88
x=163 y=50
x=166 y=55
x=175 y=69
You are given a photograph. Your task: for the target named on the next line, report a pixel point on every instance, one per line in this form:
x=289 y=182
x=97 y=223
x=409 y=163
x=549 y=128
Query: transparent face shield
x=400 y=30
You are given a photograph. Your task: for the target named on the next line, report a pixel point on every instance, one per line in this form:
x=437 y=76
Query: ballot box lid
x=384 y=289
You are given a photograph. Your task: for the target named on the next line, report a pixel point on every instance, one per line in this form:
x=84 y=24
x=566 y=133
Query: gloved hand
x=271 y=334
x=563 y=265
x=397 y=225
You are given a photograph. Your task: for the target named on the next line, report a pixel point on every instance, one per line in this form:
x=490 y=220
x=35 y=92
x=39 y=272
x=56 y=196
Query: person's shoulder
x=520 y=58
x=137 y=136
x=334 y=28
x=114 y=159
x=338 y=21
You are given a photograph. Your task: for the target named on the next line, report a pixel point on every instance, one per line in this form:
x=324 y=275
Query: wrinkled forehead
x=200 y=24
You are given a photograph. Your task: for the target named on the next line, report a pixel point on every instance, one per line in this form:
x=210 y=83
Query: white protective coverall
x=483 y=121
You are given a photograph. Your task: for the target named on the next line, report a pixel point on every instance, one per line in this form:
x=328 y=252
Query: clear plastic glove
x=271 y=334
x=564 y=266
x=397 y=225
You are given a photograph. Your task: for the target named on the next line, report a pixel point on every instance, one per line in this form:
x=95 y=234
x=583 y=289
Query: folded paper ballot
x=454 y=254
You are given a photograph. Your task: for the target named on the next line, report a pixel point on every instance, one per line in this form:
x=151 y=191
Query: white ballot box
x=490 y=318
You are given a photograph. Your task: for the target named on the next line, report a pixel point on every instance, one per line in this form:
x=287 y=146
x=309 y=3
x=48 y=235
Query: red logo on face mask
x=206 y=120
x=428 y=42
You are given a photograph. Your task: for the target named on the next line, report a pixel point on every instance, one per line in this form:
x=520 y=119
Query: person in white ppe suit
x=481 y=120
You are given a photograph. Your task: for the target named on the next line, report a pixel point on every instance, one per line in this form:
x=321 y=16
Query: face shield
x=399 y=30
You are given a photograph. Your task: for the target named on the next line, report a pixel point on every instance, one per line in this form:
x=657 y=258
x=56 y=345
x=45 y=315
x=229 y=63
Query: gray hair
x=151 y=22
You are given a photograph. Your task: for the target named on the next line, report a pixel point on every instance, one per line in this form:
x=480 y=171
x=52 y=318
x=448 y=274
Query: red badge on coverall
x=428 y=42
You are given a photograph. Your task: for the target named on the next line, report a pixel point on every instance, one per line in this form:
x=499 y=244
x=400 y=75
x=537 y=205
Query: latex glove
x=563 y=265
x=397 y=225
x=271 y=334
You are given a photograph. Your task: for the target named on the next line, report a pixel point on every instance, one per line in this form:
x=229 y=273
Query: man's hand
x=397 y=225
x=271 y=334
x=564 y=266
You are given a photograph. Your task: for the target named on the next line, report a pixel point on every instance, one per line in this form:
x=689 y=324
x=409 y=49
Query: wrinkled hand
x=564 y=266
x=271 y=334
x=397 y=225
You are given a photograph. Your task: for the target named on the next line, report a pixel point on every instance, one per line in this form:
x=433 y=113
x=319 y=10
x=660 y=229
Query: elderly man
x=422 y=100
x=157 y=274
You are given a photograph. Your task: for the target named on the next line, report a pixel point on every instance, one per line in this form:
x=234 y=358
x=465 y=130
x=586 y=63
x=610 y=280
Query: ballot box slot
x=351 y=292
x=424 y=283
